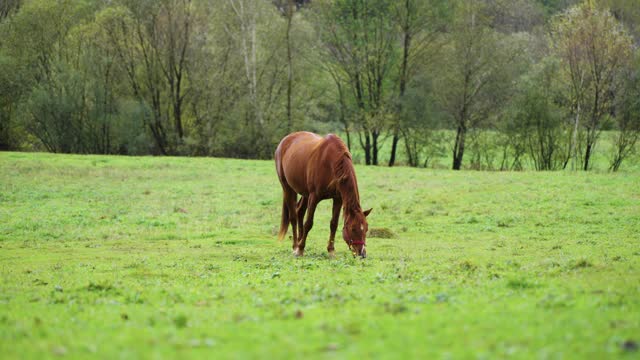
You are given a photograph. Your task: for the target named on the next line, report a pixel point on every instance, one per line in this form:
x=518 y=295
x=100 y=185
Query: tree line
x=490 y=83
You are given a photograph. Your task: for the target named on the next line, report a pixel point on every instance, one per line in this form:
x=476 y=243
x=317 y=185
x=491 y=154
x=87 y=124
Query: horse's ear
x=367 y=212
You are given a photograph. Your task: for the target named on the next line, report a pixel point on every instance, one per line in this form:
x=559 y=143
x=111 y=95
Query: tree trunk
x=394 y=146
x=574 y=139
x=367 y=148
x=374 y=136
x=290 y=6
x=587 y=156
x=403 y=80
x=458 y=149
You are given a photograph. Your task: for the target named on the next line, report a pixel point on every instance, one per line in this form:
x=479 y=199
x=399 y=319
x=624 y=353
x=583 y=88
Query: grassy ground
x=120 y=257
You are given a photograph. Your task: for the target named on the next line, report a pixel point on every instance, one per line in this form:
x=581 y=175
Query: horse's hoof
x=298 y=252
x=332 y=254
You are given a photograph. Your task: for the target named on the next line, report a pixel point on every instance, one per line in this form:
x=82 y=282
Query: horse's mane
x=345 y=179
x=343 y=168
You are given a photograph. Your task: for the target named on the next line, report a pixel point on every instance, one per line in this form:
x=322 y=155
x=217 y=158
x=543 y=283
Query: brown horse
x=319 y=168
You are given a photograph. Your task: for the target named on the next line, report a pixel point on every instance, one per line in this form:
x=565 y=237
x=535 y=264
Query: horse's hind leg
x=308 y=224
x=289 y=201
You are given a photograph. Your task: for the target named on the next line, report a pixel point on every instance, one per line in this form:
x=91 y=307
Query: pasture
x=124 y=257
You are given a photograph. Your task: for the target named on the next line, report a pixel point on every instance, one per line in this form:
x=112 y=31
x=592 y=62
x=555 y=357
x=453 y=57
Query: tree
x=256 y=31
x=7 y=7
x=288 y=8
x=627 y=116
x=513 y=16
x=536 y=124
x=152 y=41
x=419 y=23
x=50 y=94
x=359 y=40
x=421 y=123
x=246 y=14
x=289 y=15
x=473 y=74
x=627 y=12
x=594 y=50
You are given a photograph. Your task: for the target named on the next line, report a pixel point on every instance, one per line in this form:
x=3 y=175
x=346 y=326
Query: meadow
x=145 y=257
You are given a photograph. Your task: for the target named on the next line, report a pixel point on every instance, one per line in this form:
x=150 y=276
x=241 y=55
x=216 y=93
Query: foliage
x=594 y=49
x=359 y=41
x=232 y=77
x=537 y=122
x=476 y=74
x=628 y=117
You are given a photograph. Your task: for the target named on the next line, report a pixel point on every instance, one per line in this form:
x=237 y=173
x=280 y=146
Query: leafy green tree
x=594 y=49
x=627 y=117
x=49 y=99
x=358 y=38
x=627 y=12
x=7 y=7
x=474 y=73
x=537 y=120
x=513 y=16
x=419 y=24
x=422 y=124
x=152 y=42
x=257 y=33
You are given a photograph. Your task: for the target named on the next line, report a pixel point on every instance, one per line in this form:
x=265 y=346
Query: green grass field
x=122 y=257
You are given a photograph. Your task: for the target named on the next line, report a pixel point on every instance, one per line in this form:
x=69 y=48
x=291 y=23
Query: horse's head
x=355 y=230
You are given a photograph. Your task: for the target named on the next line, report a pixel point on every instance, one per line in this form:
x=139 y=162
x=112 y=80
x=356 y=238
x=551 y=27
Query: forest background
x=484 y=84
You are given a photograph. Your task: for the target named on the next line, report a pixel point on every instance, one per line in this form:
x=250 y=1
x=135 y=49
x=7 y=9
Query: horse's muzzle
x=362 y=253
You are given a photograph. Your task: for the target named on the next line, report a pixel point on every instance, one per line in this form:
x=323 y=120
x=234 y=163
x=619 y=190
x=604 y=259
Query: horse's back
x=296 y=145
x=301 y=162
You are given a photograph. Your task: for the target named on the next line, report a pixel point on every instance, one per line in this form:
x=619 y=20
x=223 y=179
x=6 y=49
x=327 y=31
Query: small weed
x=212 y=267
x=395 y=308
x=554 y=301
x=468 y=266
x=180 y=321
x=520 y=284
x=580 y=264
x=99 y=287
x=442 y=298
x=468 y=220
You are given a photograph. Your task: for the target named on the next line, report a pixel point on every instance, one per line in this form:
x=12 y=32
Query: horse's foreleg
x=300 y=210
x=335 y=216
x=308 y=224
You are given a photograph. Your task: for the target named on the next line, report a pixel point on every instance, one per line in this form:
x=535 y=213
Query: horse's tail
x=284 y=222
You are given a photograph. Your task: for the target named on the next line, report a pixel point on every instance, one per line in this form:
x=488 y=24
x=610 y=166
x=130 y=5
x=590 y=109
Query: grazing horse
x=319 y=168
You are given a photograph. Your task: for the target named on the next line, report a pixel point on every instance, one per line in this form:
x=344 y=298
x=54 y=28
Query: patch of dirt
x=381 y=233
